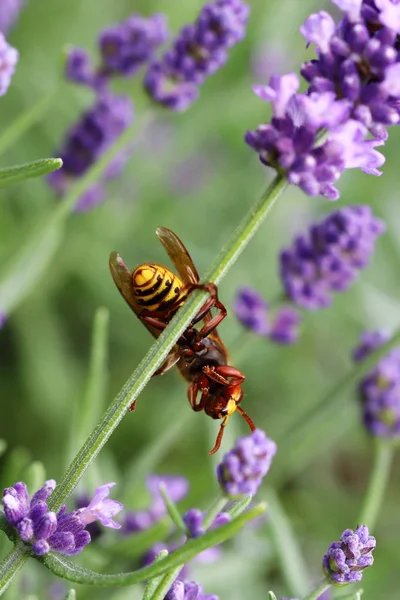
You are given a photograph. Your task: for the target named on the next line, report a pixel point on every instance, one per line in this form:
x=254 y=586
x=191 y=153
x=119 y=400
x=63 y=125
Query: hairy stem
x=384 y=453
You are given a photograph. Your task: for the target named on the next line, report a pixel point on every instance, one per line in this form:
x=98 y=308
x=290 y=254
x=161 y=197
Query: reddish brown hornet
x=155 y=294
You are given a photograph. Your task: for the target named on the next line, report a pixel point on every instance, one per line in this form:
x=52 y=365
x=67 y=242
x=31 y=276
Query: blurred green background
x=193 y=173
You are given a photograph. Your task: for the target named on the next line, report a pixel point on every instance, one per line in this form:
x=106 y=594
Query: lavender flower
x=176 y=487
x=345 y=560
x=243 y=468
x=10 y=10
x=62 y=532
x=126 y=47
x=199 y=51
x=329 y=256
x=87 y=141
x=8 y=61
x=188 y=590
x=379 y=390
x=358 y=60
x=252 y=311
x=291 y=142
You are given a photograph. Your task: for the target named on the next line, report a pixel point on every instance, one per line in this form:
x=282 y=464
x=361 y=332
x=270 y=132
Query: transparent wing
x=178 y=254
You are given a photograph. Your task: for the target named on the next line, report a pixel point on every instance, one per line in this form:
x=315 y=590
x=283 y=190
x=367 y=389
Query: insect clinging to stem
x=155 y=294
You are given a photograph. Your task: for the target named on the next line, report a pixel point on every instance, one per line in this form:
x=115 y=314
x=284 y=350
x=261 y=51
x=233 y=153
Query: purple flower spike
x=87 y=141
x=379 y=390
x=285 y=328
x=101 y=508
x=252 y=310
x=328 y=257
x=126 y=47
x=291 y=143
x=199 y=51
x=345 y=560
x=9 y=12
x=8 y=61
x=188 y=590
x=243 y=468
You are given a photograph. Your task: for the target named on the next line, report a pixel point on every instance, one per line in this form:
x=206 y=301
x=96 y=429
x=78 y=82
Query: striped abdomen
x=157 y=289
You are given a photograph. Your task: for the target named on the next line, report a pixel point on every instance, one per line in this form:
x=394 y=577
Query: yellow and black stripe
x=157 y=289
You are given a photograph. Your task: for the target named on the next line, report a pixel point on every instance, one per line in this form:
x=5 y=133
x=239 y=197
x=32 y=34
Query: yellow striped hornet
x=155 y=294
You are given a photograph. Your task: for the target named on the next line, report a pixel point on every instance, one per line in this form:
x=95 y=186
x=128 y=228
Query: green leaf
x=11 y=564
x=166 y=581
x=271 y=596
x=63 y=567
x=71 y=595
x=37 y=168
x=240 y=506
x=292 y=563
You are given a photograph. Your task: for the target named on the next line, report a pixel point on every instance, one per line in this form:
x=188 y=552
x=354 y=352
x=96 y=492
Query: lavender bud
x=243 y=468
x=345 y=560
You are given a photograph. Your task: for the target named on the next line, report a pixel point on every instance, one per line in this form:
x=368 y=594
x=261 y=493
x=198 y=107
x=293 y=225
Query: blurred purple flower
x=198 y=52
x=379 y=390
x=9 y=12
x=251 y=310
x=291 y=142
x=126 y=47
x=345 y=560
x=329 y=256
x=370 y=341
x=62 y=532
x=78 y=67
x=176 y=487
x=242 y=469
x=285 y=327
x=188 y=590
x=87 y=141
x=193 y=520
x=8 y=61
x=269 y=57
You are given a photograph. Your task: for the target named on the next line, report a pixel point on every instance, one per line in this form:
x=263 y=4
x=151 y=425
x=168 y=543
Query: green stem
x=239 y=506
x=165 y=583
x=62 y=567
x=315 y=594
x=160 y=349
x=173 y=512
x=216 y=507
x=152 y=584
x=384 y=453
x=11 y=564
